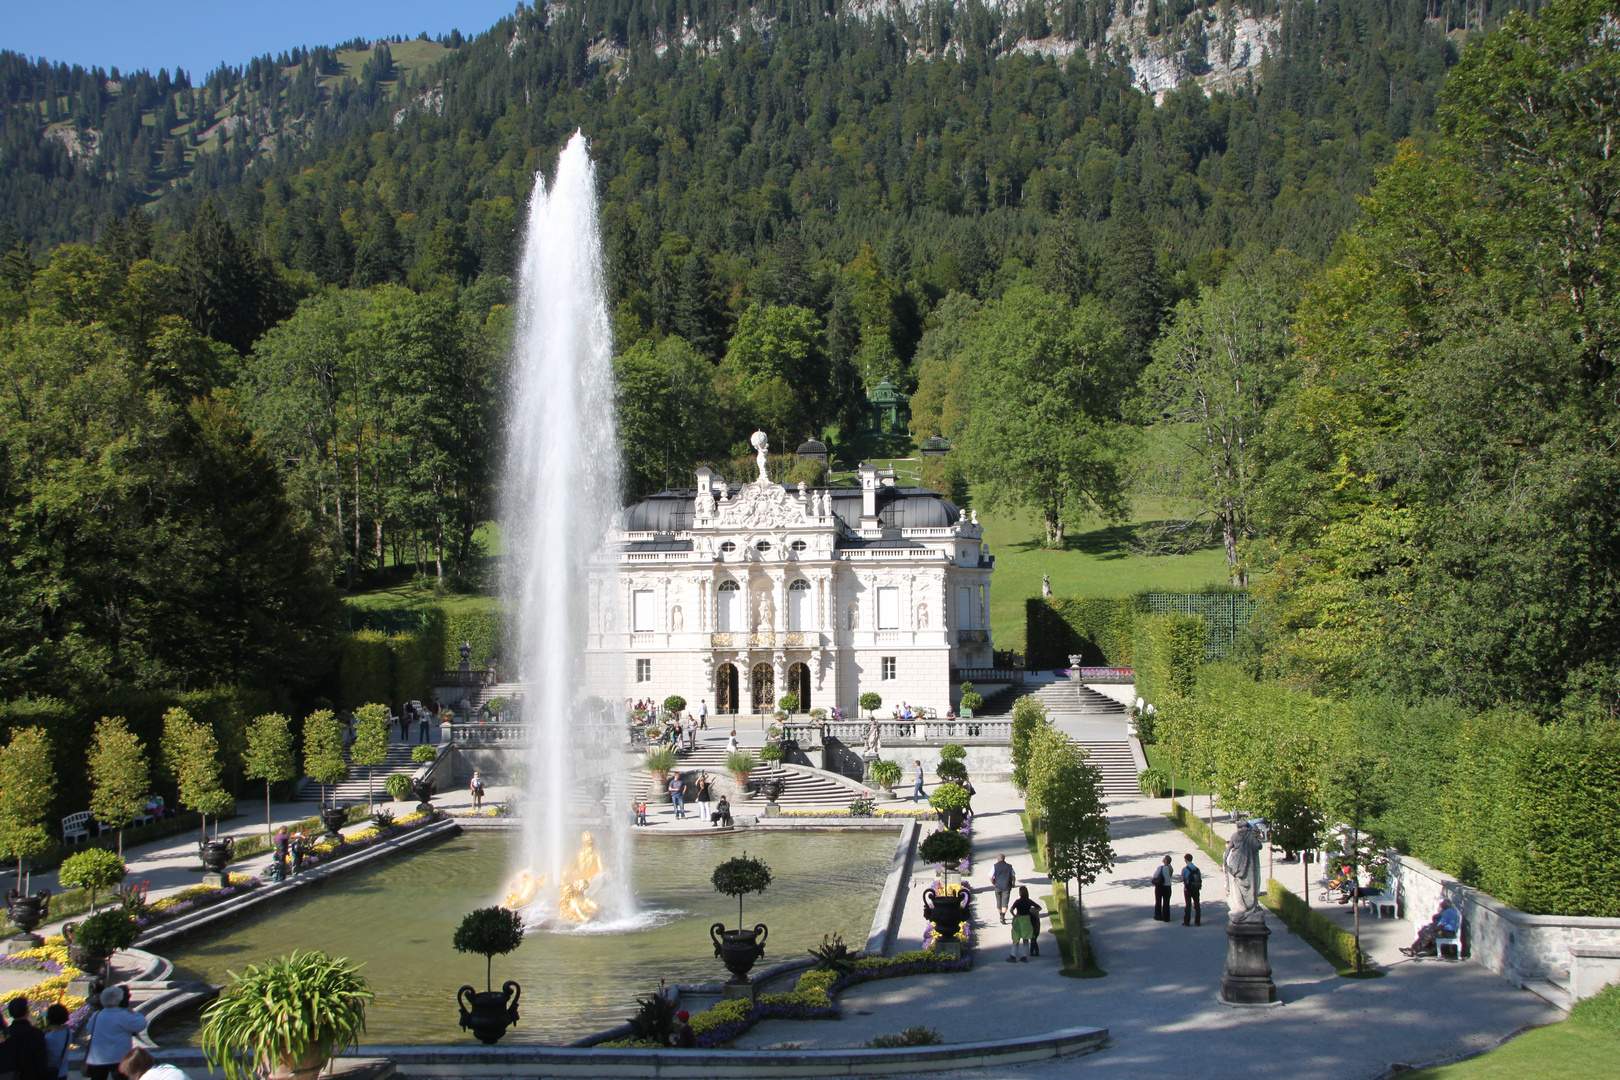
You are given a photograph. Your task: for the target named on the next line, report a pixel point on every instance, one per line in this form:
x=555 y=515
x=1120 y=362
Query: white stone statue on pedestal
x=874 y=739
x=1242 y=862
x=761 y=443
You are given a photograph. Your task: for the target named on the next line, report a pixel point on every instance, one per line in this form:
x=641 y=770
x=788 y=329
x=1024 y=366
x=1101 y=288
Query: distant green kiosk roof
x=886 y=393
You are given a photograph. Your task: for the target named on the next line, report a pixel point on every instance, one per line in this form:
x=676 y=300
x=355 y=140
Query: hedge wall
x=1095 y=628
x=485 y=629
x=364 y=669
x=1168 y=650
x=393 y=656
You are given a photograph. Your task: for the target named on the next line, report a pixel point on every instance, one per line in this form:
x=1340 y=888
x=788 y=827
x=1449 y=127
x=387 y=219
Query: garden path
x=1158 y=1000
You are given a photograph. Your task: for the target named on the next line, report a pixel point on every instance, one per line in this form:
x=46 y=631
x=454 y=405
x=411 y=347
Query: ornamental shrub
x=788 y=703
x=398 y=785
x=1169 y=650
x=953 y=752
x=489 y=932
x=424 y=754
x=1154 y=783
x=871 y=702
x=772 y=751
x=952 y=770
x=675 y=703
x=740 y=876
x=1028 y=714
x=885 y=773
x=944 y=846
x=95 y=869
x=105 y=933
x=949 y=797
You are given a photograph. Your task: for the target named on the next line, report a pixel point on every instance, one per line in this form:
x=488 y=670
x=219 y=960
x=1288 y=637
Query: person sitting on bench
x=722 y=813
x=1445 y=921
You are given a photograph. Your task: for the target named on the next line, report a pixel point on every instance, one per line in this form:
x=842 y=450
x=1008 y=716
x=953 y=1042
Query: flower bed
x=499 y=810
x=325 y=850
x=194 y=897
x=51 y=959
x=921 y=815
x=812 y=996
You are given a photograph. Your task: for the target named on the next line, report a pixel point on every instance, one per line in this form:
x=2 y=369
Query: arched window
x=730 y=610
x=799 y=605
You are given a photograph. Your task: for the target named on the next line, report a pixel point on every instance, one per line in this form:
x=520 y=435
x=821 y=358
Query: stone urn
x=334 y=818
x=771 y=788
x=947 y=913
x=424 y=790
x=952 y=819
x=27 y=912
x=738 y=949
x=216 y=853
x=307 y=1067
x=86 y=961
x=488 y=1013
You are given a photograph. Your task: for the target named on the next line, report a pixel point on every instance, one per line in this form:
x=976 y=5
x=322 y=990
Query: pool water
x=397 y=919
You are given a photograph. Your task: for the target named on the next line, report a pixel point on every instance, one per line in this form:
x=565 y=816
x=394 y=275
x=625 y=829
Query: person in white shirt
x=140 y=1065
x=110 y=1033
x=731 y=743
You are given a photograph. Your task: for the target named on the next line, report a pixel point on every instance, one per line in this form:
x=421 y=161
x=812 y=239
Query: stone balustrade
x=472 y=734
x=852 y=733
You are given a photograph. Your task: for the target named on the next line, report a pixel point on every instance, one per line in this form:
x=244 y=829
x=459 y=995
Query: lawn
x=1556 y=1052
x=1096 y=562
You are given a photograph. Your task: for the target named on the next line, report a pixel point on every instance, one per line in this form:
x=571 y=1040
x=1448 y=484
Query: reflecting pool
x=397 y=919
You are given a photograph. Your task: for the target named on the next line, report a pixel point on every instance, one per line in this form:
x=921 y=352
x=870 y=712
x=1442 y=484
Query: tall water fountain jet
x=560 y=491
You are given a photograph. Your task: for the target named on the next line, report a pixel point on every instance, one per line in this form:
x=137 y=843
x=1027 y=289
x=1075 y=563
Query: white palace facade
x=737 y=594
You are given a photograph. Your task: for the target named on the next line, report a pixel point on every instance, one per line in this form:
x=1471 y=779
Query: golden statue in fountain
x=572 y=903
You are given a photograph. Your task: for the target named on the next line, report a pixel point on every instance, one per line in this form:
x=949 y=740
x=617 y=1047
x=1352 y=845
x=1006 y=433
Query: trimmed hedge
x=485 y=629
x=364 y=671
x=1168 y=650
x=1200 y=832
x=1327 y=936
x=410 y=668
x=1095 y=628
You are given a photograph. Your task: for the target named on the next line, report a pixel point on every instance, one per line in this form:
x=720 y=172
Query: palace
x=737 y=594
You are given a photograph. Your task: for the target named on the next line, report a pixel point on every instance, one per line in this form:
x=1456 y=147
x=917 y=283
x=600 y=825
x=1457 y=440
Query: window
x=799 y=545
x=643 y=671
x=728 y=547
x=642 y=616
x=798 y=604
x=730 y=607
x=888 y=668
x=763 y=546
x=888 y=608
x=964 y=608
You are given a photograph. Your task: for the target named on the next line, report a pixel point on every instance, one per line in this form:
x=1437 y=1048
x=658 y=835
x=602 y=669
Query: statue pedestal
x=218 y=881
x=1247 y=980
x=770 y=810
x=746 y=991
x=23 y=942
x=950 y=949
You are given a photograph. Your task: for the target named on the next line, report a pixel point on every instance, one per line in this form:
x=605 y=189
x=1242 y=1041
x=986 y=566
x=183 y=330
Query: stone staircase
x=1064 y=696
x=475 y=698
x=353 y=789
x=1119 y=775
x=803 y=788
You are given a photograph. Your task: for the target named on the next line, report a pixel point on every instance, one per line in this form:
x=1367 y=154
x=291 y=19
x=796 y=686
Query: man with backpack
x=1192 y=882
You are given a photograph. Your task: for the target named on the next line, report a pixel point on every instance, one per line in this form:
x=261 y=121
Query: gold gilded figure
x=572 y=903
x=520 y=891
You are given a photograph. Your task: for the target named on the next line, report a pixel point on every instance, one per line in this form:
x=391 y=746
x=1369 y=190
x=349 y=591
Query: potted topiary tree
x=886 y=774
x=946 y=910
x=489 y=932
x=871 y=702
x=953 y=752
x=92 y=942
x=786 y=706
x=971 y=703
x=675 y=704
x=951 y=803
x=94 y=869
x=286 y=1017
x=399 y=786
x=951 y=771
x=739 y=948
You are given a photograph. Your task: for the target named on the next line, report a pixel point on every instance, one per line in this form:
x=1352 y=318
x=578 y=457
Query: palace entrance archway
x=798 y=682
x=764 y=687
x=725 y=689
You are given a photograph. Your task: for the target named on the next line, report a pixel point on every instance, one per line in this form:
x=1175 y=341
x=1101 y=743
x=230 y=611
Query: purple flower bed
x=20 y=963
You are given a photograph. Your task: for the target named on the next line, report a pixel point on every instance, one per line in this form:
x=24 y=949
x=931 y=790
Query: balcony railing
x=973 y=637
x=1104 y=675
x=987 y=675
x=470 y=678
x=852 y=733
x=472 y=734
x=765 y=639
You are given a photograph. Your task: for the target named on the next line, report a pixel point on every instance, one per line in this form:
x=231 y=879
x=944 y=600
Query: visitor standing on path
x=705 y=790
x=1024 y=911
x=1163 y=878
x=476 y=786
x=1192 y=883
x=917 y=792
x=110 y=1034
x=703 y=714
x=1002 y=879
x=677 y=794
x=731 y=743
x=423 y=734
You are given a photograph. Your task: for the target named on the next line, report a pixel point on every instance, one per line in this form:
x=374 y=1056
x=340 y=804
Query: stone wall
x=1520 y=947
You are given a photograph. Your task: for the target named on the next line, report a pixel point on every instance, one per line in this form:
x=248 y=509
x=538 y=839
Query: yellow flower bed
x=52 y=988
x=197 y=892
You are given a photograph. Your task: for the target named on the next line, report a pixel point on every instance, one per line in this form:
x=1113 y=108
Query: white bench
x=76 y=826
x=1384 y=905
x=1444 y=941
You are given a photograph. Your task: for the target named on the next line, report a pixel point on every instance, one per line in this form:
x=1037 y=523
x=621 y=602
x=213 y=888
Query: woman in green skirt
x=1025 y=912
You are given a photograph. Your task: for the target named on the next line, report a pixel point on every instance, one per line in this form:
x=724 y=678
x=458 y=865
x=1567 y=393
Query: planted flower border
x=812 y=996
x=190 y=899
x=326 y=850
x=920 y=815
x=51 y=959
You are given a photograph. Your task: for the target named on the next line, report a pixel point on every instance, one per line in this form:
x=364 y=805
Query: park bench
x=76 y=826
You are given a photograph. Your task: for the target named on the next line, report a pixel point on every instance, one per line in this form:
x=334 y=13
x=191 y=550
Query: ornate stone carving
x=761 y=505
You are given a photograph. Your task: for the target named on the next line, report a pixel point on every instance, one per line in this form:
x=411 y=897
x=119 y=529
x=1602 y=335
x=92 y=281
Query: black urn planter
x=738 y=949
x=424 y=790
x=334 y=819
x=27 y=912
x=771 y=789
x=86 y=961
x=947 y=913
x=952 y=819
x=488 y=1013
x=216 y=853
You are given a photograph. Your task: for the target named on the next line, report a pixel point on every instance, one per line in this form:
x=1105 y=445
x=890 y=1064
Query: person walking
x=476 y=786
x=424 y=733
x=703 y=715
x=283 y=845
x=1002 y=879
x=110 y=1034
x=691 y=733
x=1192 y=883
x=705 y=791
x=677 y=794
x=731 y=744
x=917 y=792
x=1163 y=878
x=1024 y=911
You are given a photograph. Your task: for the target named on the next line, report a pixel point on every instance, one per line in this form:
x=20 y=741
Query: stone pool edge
x=169 y=932
x=492 y=1061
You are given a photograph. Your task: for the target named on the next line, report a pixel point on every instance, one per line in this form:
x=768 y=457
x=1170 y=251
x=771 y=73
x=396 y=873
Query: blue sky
x=198 y=36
